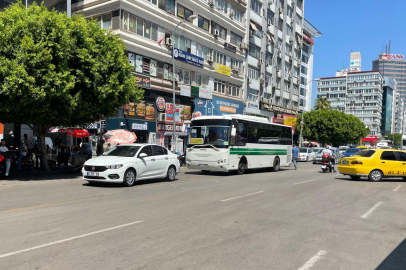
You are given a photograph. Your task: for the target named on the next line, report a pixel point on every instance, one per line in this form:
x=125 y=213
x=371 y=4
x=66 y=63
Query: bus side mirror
x=233 y=131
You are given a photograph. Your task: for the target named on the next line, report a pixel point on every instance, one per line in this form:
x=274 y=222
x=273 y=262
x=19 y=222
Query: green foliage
x=331 y=126
x=395 y=138
x=322 y=104
x=60 y=71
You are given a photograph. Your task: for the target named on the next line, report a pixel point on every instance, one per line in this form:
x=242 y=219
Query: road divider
x=313 y=260
x=68 y=239
x=229 y=199
x=367 y=214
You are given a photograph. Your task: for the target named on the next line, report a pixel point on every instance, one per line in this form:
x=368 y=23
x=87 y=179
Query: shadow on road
x=119 y=185
x=248 y=171
x=396 y=260
x=365 y=179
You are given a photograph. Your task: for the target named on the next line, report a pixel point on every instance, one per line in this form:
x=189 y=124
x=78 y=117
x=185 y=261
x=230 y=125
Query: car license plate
x=344 y=162
x=323 y=167
x=203 y=165
x=92 y=174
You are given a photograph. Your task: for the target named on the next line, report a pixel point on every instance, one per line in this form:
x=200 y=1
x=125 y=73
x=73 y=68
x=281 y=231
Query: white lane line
x=241 y=196
x=305 y=182
x=367 y=214
x=313 y=260
x=67 y=239
x=396 y=189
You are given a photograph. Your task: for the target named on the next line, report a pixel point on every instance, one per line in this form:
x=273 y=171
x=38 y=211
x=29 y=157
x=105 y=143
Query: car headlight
x=116 y=166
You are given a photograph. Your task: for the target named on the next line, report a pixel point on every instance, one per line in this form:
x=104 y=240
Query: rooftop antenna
x=389 y=47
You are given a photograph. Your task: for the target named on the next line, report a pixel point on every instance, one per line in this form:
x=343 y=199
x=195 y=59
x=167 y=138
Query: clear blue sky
x=357 y=25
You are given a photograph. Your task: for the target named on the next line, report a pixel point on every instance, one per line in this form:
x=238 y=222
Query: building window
x=288 y=30
x=170 y=6
x=203 y=51
x=153 y=1
x=306 y=48
x=221 y=5
x=299 y=3
x=219 y=58
x=270 y=15
x=303 y=69
x=280 y=24
x=268 y=58
x=183 y=12
x=252 y=95
x=305 y=59
x=233 y=90
x=253 y=73
x=222 y=30
x=236 y=64
x=238 y=15
x=203 y=23
x=288 y=49
x=254 y=51
x=302 y=102
x=106 y=23
x=256 y=6
x=219 y=86
x=298 y=19
x=235 y=39
x=181 y=43
x=302 y=91
x=201 y=80
x=303 y=80
x=297 y=54
x=290 y=11
x=288 y=66
x=296 y=72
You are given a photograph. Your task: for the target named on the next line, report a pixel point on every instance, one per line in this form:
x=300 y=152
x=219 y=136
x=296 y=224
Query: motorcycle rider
x=329 y=152
x=3 y=149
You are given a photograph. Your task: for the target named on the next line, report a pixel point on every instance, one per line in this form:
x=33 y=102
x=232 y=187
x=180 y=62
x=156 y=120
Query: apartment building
x=388 y=106
x=60 y=5
x=399 y=114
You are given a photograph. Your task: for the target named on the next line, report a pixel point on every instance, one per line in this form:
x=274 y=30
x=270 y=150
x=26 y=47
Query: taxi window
x=401 y=155
x=366 y=153
x=388 y=155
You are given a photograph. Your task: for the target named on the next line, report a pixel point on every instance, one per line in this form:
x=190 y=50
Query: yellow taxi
x=374 y=164
x=362 y=147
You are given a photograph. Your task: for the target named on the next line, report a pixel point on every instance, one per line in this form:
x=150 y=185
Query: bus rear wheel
x=242 y=166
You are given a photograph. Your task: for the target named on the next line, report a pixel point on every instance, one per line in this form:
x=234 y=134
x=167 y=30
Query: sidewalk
x=38 y=174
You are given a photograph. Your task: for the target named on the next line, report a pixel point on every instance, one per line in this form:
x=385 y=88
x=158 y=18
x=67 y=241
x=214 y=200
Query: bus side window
x=242 y=135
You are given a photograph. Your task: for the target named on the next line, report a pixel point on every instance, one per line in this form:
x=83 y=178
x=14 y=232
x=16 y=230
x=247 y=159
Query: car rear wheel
x=129 y=178
x=241 y=167
x=375 y=176
x=171 y=174
x=355 y=177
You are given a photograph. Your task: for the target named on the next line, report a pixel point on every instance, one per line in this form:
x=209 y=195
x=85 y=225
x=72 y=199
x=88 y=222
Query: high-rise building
x=388 y=106
x=399 y=114
x=393 y=65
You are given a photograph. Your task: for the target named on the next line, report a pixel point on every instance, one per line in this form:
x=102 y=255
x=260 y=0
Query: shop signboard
x=277 y=109
x=252 y=105
x=142 y=81
x=217 y=107
x=160 y=104
x=140 y=126
x=185 y=90
x=183 y=113
x=163 y=127
x=222 y=69
x=392 y=56
x=194 y=91
x=188 y=58
x=285 y=119
x=141 y=110
x=205 y=93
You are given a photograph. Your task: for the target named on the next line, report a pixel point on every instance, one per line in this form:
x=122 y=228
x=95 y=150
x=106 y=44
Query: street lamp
x=301 y=122
x=190 y=19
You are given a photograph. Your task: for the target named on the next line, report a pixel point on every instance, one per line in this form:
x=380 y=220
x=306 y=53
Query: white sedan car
x=128 y=163
x=305 y=154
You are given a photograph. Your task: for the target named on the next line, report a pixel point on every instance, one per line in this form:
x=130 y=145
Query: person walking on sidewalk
x=295 y=155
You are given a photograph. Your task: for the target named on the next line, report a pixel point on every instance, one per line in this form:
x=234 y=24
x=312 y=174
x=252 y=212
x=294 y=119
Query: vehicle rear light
x=356 y=162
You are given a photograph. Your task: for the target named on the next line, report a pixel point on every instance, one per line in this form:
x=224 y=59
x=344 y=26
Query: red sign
x=393 y=56
x=306 y=37
x=370 y=139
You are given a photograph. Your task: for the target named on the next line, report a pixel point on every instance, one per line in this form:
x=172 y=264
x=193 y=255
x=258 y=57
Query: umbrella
x=120 y=136
x=78 y=133
x=56 y=130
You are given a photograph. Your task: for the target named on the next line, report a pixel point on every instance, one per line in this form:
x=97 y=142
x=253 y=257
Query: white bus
x=236 y=143
x=403 y=143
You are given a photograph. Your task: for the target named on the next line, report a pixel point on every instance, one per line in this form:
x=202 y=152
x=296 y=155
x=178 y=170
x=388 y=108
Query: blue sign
x=218 y=106
x=188 y=58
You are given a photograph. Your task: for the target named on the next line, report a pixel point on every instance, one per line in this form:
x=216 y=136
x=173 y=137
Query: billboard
x=218 y=106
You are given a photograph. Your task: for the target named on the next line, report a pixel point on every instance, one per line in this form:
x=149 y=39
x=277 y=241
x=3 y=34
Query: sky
x=356 y=25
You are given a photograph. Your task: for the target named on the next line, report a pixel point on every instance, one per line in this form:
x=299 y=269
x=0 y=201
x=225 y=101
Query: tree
x=395 y=138
x=331 y=126
x=322 y=104
x=59 y=71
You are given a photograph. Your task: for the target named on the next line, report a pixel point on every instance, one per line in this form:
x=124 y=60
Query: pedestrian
x=99 y=148
x=23 y=153
x=295 y=155
x=86 y=149
x=58 y=142
x=28 y=143
x=333 y=159
x=3 y=150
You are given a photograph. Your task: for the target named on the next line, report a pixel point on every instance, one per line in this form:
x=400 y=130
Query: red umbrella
x=120 y=136
x=77 y=133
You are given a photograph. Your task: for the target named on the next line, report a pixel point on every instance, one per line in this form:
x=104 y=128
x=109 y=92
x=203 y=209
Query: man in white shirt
x=23 y=153
x=327 y=151
x=3 y=149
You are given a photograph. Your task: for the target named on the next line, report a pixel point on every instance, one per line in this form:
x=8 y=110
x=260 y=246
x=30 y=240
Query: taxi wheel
x=355 y=177
x=375 y=176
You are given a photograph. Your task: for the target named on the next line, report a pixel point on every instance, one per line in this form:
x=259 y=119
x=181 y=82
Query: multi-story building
x=388 y=106
x=399 y=114
x=357 y=93
x=60 y=5
x=393 y=65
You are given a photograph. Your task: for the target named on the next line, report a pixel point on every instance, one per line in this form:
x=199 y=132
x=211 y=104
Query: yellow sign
x=222 y=69
x=290 y=120
x=196 y=141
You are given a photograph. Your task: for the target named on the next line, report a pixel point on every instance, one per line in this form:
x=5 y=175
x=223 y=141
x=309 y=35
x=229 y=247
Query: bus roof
x=240 y=116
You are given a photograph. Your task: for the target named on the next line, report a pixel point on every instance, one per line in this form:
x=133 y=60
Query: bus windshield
x=214 y=135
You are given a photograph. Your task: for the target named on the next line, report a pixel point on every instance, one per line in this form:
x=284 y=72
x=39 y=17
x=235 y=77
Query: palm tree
x=322 y=104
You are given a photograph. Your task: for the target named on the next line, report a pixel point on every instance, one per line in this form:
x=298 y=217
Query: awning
x=253 y=26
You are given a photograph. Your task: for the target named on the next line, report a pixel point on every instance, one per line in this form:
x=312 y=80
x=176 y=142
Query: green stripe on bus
x=254 y=151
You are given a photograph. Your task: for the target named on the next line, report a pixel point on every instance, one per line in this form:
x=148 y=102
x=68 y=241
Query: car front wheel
x=375 y=175
x=171 y=174
x=129 y=178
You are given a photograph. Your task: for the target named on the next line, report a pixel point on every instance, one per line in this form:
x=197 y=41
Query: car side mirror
x=142 y=155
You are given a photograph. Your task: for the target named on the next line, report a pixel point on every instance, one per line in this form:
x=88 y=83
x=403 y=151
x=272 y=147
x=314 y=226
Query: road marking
x=305 y=182
x=396 y=189
x=313 y=260
x=241 y=196
x=68 y=239
x=367 y=214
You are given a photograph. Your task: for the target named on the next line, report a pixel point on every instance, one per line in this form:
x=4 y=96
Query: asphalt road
x=291 y=219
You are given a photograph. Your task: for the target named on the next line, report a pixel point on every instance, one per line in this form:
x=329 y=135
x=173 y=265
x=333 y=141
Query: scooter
x=326 y=163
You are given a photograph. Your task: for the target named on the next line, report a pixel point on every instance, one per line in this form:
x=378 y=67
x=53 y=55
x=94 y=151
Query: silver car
x=317 y=156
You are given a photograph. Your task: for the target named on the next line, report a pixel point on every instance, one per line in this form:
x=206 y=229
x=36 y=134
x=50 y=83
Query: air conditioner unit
x=261 y=81
x=211 y=3
x=290 y=58
x=216 y=33
x=280 y=54
x=279 y=74
x=269 y=22
x=161 y=117
x=168 y=41
x=281 y=10
x=231 y=14
x=209 y=59
x=243 y=46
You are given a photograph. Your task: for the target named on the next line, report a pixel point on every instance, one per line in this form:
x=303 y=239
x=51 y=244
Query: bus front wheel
x=241 y=167
x=276 y=164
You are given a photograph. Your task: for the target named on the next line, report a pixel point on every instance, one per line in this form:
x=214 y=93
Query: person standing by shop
x=28 y=143
x=23 y=153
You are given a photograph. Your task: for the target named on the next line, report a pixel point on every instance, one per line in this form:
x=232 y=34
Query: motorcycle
x=326 y=163
x=182 y=159
x=3 y=162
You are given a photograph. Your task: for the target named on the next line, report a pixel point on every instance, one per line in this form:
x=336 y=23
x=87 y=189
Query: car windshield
x=319 y=151
x=366 y=153
x=214 y=135
x=343 y=148
x=352 y=150
x=303 y=150
x=123 y=151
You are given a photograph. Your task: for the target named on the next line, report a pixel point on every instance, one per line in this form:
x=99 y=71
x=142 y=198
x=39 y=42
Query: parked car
x=374 y=164
x=128 y=163
x=342 y=149
x=351 y=151
x=305 y=154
